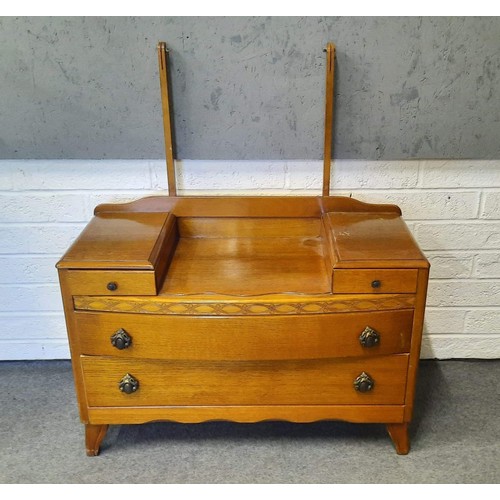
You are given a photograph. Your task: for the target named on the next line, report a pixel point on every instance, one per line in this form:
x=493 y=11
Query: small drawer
x=111 y=282
x=374 y=281
x=129 y=382
x=312 y=336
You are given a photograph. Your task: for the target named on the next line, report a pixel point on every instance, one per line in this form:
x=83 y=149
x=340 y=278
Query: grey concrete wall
x=250 y=88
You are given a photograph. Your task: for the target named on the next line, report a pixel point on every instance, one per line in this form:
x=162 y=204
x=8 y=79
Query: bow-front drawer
x=129 y=382
x=308 y=336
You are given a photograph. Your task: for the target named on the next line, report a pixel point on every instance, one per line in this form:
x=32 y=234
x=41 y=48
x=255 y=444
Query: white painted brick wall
x=458 y=235
x=452 y=208
x=487 y=265
x=483 y=321
x=450 y=265
x=491 y=206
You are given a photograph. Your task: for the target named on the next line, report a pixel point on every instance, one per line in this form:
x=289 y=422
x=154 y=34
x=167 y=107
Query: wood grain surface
x=124 y=240
x=245 y=310
x=361 y=280
x=244 y=338
x=188 y=383
x=247 y=206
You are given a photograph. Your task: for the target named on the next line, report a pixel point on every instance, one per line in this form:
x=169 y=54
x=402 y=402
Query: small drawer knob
x=121 y=339
x=112 y=286
x=128 y=384
x=376 y=283
x=363 y=382
x=369 y=337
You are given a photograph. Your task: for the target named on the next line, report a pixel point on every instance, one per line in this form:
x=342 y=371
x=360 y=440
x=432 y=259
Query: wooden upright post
x=167 y=127
x=327 y=154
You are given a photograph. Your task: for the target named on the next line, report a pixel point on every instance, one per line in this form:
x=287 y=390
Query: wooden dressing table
x=244 y=308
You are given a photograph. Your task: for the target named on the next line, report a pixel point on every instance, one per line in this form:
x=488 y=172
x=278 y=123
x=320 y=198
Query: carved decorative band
x=221 y=308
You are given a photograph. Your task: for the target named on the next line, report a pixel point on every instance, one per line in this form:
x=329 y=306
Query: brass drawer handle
x=128 y=384
x=363 y=382
x=369 y=337
x=376 y=284
x=112 y=286
x=121 y=339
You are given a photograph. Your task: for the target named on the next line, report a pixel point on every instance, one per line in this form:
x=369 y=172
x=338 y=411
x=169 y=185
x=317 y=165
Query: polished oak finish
x=375 y=280
x=366 y=240
x=101 y=282
x=260 y=337
x=231 y=305
x=400 y=438
x=132 y=252
x=244 y=308
x=245 y=317
x=120 y=241
x=167 y=125
x=329 y=103
x=281 y=382
x=253 y=206
x=359 y=413
x=247 y=266
x=94 y=434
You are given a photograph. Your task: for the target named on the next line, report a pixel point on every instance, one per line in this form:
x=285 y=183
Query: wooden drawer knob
x=112 y=286
x=128 y=384
x=121 y=339
x=363 y=382
x=369 y=337
x=376 y=283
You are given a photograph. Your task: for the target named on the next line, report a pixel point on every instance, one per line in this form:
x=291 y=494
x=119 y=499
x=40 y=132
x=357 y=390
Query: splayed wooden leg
x=94 y=434
x=400 y=438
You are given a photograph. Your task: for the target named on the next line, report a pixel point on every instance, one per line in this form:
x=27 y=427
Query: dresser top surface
x=116 y=240
x=247 y=266
x=360 y=238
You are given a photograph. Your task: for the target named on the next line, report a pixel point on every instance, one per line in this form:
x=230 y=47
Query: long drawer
x=312 y=336
x=193 y=383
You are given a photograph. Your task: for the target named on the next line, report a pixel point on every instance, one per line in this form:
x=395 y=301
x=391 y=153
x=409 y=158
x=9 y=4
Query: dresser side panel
x=416 y=341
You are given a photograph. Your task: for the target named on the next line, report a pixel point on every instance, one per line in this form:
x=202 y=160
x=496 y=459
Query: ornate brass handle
x=128 y=384
x=121 y=339
x=369 y=337
x=363 y=382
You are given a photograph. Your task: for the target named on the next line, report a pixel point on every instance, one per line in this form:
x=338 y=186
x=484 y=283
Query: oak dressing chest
x=244 y=308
